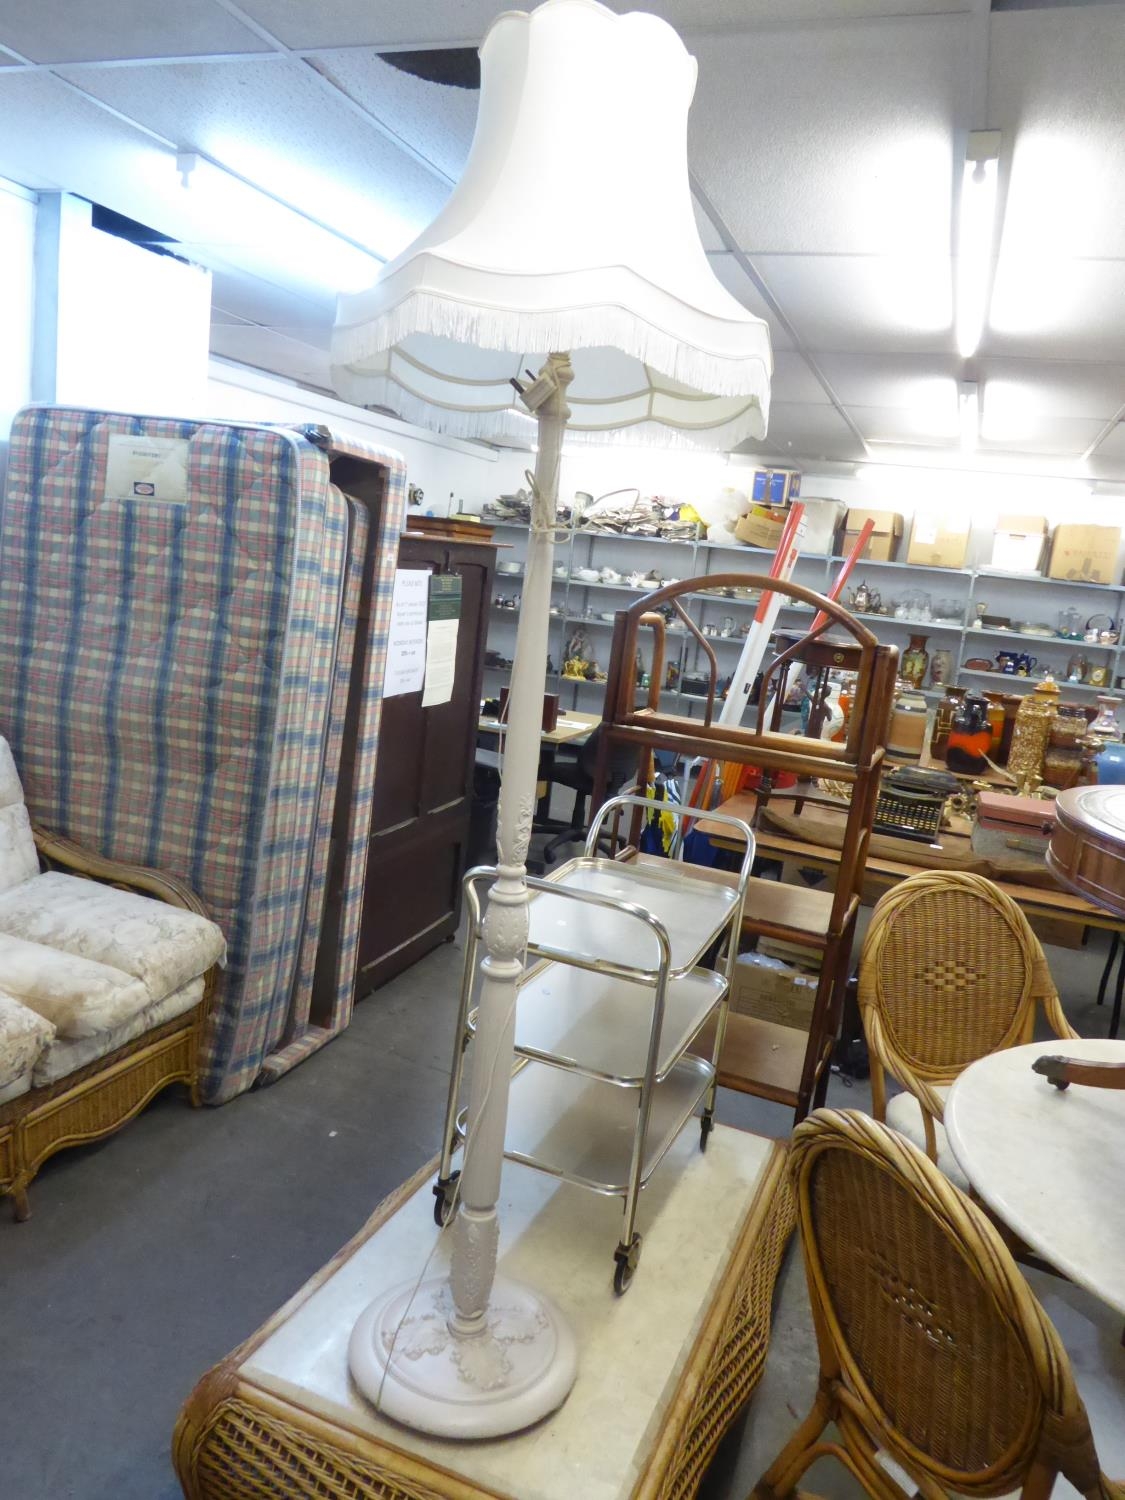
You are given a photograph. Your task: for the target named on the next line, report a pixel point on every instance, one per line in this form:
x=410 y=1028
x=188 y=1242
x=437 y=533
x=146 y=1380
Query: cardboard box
x=823 y=519
x=1088 y=553
x=1017 y=546
x=761 y=526
x=772 y=991
x=935 y=543
x=882 y=545
x=775 y=486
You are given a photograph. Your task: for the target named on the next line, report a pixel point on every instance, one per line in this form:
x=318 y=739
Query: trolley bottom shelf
x=583 y=1130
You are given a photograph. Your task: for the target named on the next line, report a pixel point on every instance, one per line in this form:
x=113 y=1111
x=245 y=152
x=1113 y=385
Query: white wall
x=17 y=292
x=441 y=466
x=133 y=327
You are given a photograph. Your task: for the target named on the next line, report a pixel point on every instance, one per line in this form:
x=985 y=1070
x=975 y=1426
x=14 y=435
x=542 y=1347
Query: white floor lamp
x=571 y=230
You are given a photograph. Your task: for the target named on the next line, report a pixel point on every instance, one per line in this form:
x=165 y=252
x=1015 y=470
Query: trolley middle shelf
x=599 y=1025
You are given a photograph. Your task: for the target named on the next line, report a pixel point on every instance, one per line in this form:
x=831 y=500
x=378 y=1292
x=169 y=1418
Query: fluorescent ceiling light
x=1010 y=411
x=969 y=411
x=976 y=224
x=284 y=243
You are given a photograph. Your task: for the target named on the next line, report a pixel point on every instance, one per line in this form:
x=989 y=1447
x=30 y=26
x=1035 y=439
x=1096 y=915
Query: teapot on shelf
x=1017 y=663
x=865 y=600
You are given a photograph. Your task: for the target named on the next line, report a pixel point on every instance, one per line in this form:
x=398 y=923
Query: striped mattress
x=176 y=676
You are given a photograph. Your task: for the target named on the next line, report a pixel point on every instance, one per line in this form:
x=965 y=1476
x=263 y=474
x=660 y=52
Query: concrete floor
x=150 y=1256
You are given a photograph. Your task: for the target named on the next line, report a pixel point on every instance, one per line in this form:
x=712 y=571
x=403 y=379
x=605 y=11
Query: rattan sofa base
x=236 y=1440
x=94 y=1101
x=99 y=1098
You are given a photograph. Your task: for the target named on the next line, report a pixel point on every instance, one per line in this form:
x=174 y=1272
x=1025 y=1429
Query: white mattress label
x=153 y=470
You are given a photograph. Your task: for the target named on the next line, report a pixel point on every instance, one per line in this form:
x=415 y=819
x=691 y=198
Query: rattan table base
x=663 y=1371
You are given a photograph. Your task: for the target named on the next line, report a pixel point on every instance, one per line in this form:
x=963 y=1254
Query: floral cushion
x=77 y=996
x=23 y=1036
x=161 y=946
x=18 y=859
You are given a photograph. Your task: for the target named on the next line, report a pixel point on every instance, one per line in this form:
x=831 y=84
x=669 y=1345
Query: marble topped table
x=1049 y=1163
x=663 y=1370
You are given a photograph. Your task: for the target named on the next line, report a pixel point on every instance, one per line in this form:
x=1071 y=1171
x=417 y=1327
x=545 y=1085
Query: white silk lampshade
x=571 y=228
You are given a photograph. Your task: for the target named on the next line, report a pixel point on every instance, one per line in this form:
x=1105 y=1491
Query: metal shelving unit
x=968 y=586
x=615 y=992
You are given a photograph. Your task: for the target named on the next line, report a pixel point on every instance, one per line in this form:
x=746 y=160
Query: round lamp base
x=413 y=1367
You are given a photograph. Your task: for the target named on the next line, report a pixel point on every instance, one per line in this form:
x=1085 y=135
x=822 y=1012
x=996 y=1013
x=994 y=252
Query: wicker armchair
x=950 y=971
x=933 y=1351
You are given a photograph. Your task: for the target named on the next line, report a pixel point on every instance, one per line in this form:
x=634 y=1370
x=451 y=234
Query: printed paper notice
x=406 y=642
x=441 y=638
x=152 y=469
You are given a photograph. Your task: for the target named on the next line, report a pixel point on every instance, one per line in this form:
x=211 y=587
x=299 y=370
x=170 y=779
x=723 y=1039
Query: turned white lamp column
x=571 y=229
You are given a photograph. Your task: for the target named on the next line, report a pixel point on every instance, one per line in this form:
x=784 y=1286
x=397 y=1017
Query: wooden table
x=571 y=729
x=662 y=1371
x=882 y=873
x=1049 y=1163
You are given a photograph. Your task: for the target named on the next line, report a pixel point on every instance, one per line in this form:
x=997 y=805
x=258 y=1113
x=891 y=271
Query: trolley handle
x=676 y=810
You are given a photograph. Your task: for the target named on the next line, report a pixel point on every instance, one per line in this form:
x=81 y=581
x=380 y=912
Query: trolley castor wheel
x=626 y=1257
x=706 y=1125
x=444 y=1189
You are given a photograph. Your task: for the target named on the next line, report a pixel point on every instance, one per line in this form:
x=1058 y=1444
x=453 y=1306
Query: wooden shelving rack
x=761 y=1057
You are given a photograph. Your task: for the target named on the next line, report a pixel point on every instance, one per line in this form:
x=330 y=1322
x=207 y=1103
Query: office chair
x=581 y=774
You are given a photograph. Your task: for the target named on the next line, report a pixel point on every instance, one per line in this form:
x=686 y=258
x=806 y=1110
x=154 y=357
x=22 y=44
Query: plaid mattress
x=167 y=673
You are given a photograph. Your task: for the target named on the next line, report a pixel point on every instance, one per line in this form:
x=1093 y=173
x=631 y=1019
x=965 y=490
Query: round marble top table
x=1050 y=1163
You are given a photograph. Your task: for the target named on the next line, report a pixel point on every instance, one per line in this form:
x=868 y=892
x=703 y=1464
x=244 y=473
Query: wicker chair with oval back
x=950 y=971
x=934 y=1352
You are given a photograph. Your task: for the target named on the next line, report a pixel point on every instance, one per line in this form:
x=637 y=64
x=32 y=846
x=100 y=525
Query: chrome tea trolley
x=615 y=991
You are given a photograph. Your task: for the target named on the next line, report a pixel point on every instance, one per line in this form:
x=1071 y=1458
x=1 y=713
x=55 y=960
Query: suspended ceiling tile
x=739 y=15
x=865 y=304
x=1053 y=388
x=1058 y=436
x=810 y=139
x=49 y=31
x=930 y=425
x=890 y=381
x=266 y=349
x=807 y=432
x=710 y=237
x=1111 y=450
x=278 y=126
x=793 y=380
x=728 y=270
x=366 y=23
x=348 y=23
x=1051 y=308
x=1057 y=80
x=435 y=120
x=257 y=301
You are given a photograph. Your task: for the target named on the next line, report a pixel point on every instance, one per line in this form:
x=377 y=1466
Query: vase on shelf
x=941 y=667
x=915 y=660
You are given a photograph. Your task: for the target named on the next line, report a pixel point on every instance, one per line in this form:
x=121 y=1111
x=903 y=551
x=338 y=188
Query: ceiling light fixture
x=976 y=225
x=969 y=411
x=282 y=241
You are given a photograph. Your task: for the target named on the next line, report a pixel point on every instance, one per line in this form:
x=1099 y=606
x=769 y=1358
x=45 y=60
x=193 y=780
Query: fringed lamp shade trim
x=676 y=386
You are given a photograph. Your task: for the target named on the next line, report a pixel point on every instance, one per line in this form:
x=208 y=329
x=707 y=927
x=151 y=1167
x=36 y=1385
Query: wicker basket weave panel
x=108 y=1100
x=247 y=1456
x=243 y=1449
x=739 y=1359
x=954 y=977
x=927 y=1337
